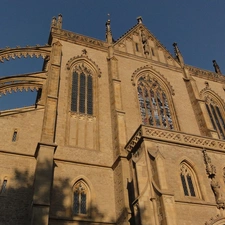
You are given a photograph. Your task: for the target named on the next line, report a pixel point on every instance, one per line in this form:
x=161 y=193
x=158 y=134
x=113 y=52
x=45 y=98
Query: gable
x=141 y=42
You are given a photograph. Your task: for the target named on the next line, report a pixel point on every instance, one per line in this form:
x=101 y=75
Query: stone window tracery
x=188 y=180
x=82 y=90
x=153 y=102
x=80 y=198
x=216 y=118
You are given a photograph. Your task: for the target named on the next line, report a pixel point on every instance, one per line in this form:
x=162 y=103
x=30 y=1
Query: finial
x=178 y=53
x=59 y=21
x=139 y=19
x=53 y=24
x=216 y=67
x=108 y=31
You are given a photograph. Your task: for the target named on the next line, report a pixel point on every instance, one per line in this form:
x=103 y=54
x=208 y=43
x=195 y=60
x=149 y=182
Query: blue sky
x=198 y=26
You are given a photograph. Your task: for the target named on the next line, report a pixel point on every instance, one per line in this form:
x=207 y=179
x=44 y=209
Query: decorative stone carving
x=53 y=24
x=77 y=37
x=150 y=69
x=19 y=83
x=145 y=43
x=7 y=54
x=83 y=57
x=215 y=219
x=211 y=171
x=174 y=137
x=205 y=74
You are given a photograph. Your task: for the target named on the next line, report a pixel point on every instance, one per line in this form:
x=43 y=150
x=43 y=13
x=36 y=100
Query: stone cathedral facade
x=122 y=133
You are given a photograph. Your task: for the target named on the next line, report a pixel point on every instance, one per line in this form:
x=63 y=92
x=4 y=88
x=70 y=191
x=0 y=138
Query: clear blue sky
x=198 y=26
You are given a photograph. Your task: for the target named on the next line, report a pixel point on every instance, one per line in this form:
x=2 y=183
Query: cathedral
x=122 y=132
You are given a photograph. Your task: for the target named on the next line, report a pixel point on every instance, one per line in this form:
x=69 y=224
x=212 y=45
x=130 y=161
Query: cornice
x=18 y=52
x=206 y=74
x=77 y=38
x=157 y=134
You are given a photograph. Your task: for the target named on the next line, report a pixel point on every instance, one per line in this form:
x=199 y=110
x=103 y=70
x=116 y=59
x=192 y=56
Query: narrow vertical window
x=216 y=117
x=3 y=189
x=153 y=53
x=137 y=47
x=153 y=103
x=14 y=137
x=187 y=180
x=82 y=91
x=80 y=198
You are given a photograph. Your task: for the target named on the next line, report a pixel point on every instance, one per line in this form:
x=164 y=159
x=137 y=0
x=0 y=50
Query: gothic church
x=122 y=133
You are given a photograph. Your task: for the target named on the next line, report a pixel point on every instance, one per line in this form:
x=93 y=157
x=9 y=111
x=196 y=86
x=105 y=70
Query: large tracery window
x=82 y=91
x=215 y=115
x=153 y=102
x=80 y=198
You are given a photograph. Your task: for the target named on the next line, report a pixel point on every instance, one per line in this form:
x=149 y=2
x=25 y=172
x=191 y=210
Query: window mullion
x=160 y=107
x=164 y=110
x=153 y=107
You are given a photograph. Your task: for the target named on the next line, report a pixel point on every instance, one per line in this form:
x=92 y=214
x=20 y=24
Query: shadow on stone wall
x=16 y=202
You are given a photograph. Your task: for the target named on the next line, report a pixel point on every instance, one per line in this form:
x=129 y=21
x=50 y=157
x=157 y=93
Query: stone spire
x=178 y=54
x=216 y=67
x=108 y=34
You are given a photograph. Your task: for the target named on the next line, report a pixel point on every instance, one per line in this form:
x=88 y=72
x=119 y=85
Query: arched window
x=153 y=103
x=82 y=90
x=188 y=180
x=216 y=116
x=80 y=198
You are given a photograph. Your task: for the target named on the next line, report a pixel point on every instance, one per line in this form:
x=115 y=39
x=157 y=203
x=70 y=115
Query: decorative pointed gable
x=141 y=42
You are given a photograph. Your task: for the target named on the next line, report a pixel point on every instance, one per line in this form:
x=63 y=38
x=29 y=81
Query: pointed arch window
x=80 y=198
x=82 y=90
x=215 y=114
x=153 y=102
x=188 y=180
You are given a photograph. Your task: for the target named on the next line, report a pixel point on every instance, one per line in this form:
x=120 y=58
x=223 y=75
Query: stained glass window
x=80 y=198
x=153 y=103
x=187 y=178
x=215 y=116
x=82 y=92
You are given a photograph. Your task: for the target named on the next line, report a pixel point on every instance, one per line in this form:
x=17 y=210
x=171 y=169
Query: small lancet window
x=3 y=189
x=153 y=103
x=153 y=53
x=14 y=137
x=80 y=193
x=187 y=179
x=137 y=47
x=216 y=117
x=82 y=92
